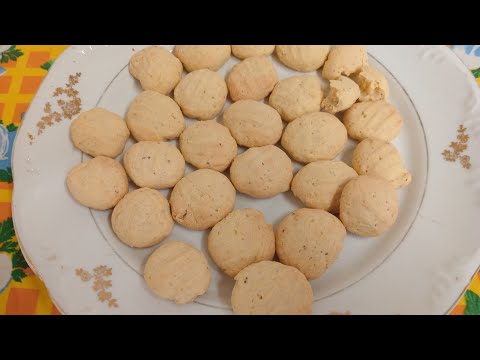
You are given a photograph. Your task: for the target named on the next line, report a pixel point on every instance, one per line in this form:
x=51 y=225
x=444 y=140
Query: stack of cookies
x=270 y=123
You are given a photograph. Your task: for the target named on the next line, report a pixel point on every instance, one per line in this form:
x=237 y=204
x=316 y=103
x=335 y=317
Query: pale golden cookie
x=310 y=240
x=196 y=57
x=155 y=165
x=271 y=288
x=303 y=57
x=98 y=183
x=379 y=158
x=99 y=132
x=368 y=206
x=177 y=271
x=373 y=84
x=156 y=69
x=245 y=51
x=314 y=136
x=208 y=145
x=201 y=199
x=262 y=172
x=253 y=78
x=319 y=184
x=344 y=60
x=373 y=119
x=297 y=95
x=154 y=117
x=201 y=94
x=241 y=239
x=344 y=92
x=142 y=218
x=253 y=123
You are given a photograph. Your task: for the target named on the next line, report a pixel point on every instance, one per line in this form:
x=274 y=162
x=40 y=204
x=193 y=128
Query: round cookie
x=208 y=145
x=319 y=184
x=241 y=239
x=142 y=218
x=196 y=57
x=98 y=183
x=177 y=271
x=373 y=85
x=201 y=199
x=156 y=69
x=253 y=123
x=99 y=132
x=368 y=206
x=201 y=94
x=303 y=57
x=344 y=92
x=245 y=51
x=373 y=119
x=314 y=136
x=253 y=78
x=344 y=60
x=262 y=172
x=153 y=164
x=297 y=95
x=271 y=288
x=154 y=117
x=379 y=158
x=310 y=240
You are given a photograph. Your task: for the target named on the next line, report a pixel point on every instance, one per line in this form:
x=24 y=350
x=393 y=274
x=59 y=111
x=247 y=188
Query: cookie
x=344 y=92
x=153 y=164
x=379 y=158
x=319 y=184
x=310 y=240
x=154 y=117
x=262 y=172
x=201 y=199
x=156 y=69
x=98 y=183
x=314 y=136
x=201 y=94
x=344 y=60
x=373 y=84
x=303 y=57
x=208 y=145
x=295 y=96
x=252 y=79
x=245 y=51
x=99 y=132
x=241 y=239
x=253 y=123
x=177 y=271
x=368 y=206
x=142 y=218
x=271 y=288
x=373 y=119
x=196 y=57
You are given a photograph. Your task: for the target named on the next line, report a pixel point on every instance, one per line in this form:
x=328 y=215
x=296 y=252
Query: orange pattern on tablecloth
x=5 y=82
x=17 y=88
x=38 y=58
x=30 y=84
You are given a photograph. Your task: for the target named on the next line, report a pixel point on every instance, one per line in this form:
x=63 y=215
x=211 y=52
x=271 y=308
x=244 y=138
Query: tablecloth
x=22 y=69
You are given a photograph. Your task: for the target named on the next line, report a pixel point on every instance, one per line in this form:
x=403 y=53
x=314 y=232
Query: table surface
x=22 y=69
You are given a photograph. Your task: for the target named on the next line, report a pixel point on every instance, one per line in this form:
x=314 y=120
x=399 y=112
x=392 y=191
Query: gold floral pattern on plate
x=100 y=284
x=68 y=105
x=457 y=149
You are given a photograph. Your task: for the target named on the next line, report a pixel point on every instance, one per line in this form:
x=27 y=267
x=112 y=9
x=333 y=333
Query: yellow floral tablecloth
x=22 y=69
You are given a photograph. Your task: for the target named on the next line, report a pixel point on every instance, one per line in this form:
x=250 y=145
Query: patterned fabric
x=22 y=69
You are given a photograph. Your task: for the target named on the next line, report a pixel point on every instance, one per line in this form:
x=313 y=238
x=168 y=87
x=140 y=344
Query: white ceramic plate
x=421 y=266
